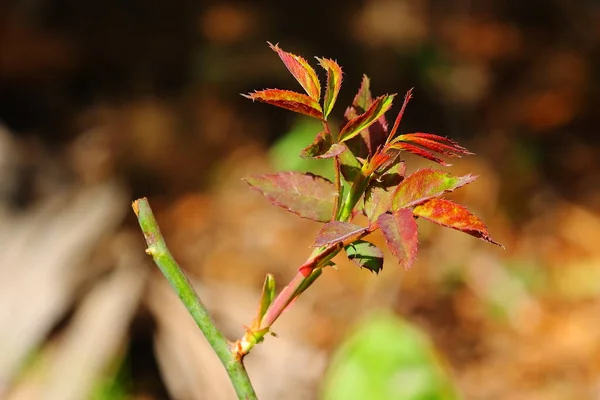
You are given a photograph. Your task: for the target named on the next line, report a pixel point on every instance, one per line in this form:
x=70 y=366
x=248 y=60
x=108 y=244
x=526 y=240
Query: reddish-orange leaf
x=338 y=231
x=334 y=83
x=419 y=152
x=425 y=184
x=407 y=98
x=302 y=71
x=400 y=232
x=289 y=100
x=367 y=142
x=356 y=125
x=436 y=143
x=363 y=98
x=455 y=216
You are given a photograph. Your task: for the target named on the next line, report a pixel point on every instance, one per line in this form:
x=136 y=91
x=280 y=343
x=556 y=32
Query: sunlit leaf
x=356 y=125
x=365 y=255
x=307 y=195
x=322 y=147
x=338 y=231
x=407 y=98
x=334 y=83
x=419 y=152
x=423 y=144
x=378 y=200
x=289 y=100
x=455 y=216
x=363 y=98
x=436 y=143
x=400 y=232
x=367 y=142
x=302 y=71
x=425 y=184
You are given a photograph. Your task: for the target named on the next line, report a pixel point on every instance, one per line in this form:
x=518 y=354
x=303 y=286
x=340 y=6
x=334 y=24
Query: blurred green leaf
x=284 y=154
x=387 y=358
x=116 y=385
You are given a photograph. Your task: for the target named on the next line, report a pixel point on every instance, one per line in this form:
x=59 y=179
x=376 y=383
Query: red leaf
x=419 y=152
x=356 y=125
x=407 y=98
x=425 y=184
x=307 y=195
x=302 y=71
x=289 y=100
x=334 y=83
x=369 y=140
x=400 y=232
x=435 y=143
x=363 y=98
x=455 y=216
x=338 y=231
x=322 y=147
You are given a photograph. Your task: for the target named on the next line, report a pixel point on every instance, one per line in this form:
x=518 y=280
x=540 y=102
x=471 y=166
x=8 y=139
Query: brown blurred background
x=105 y=101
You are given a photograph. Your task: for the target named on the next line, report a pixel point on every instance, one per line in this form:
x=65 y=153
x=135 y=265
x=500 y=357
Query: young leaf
x=367 y=142
x=378 y=201
x=334 y=83
x=267 y=296
x=379 y=194
x=363 y=98
x=436 y=143
x=419 y=152
x=365 y=255
x=356 y=125
x=322 y=147
x=391 y=174
x=425 y=184
x=350 y=166
x=307 y=195
x=338 y=231
x=455 y=216
x=400 y=232
x=289 y=100
x=429 y=143
x=407 y=98
x=302 y=71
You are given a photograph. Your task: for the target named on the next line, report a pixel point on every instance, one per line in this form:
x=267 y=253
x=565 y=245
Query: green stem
x=356 y=191
x=157 y=248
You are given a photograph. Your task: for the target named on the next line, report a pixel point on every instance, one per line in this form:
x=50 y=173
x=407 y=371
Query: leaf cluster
x=370 y=175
